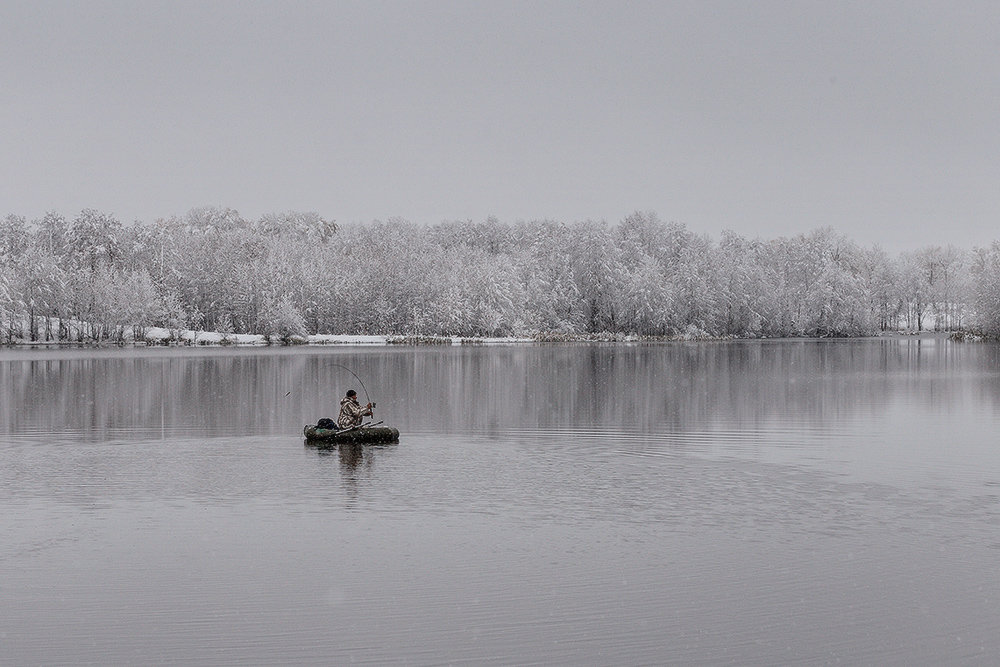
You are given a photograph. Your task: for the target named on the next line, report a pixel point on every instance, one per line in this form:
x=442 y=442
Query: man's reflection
x=352 y=455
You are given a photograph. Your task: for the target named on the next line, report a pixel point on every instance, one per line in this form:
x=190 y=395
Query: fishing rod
x=359 y=427
x=367 y=397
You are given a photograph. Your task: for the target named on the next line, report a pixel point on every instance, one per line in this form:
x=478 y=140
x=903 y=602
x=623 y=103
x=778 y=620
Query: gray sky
x=881 y=119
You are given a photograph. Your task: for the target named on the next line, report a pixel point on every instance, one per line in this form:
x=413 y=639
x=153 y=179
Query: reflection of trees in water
x=656 y=385
x=489 y=388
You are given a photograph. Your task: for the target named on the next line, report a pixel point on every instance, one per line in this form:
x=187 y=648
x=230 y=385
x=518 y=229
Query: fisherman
x=351 y=412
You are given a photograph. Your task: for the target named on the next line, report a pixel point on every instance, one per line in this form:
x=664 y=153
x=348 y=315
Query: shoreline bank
x=188 y=338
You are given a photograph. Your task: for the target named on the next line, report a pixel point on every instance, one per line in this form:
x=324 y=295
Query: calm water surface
x=751 y=503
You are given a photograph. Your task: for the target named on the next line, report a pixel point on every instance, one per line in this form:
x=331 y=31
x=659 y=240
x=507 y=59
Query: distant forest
x=93 y=278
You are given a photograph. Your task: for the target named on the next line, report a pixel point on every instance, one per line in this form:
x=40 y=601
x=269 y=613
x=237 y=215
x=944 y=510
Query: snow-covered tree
x=52 y=233
x=279 y=318
x=985 y=288
x=14 y=237
x=309 y=226
x=94 y=239
x=599 y=273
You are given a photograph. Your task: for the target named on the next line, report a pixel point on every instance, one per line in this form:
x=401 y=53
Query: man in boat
x=351 y=412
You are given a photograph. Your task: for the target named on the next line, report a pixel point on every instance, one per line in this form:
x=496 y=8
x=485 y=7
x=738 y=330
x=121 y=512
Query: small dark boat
x=362 y=435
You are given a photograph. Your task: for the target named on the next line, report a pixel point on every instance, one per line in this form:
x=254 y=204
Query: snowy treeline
x=95 y=278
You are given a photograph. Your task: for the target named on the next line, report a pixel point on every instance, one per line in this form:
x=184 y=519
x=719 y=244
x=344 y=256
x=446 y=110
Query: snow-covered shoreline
x=162 y=337
x=159 y=336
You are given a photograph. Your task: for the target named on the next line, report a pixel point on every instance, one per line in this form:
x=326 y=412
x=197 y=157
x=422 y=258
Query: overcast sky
x=881 y=119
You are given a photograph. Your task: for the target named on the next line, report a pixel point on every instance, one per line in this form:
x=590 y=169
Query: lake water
x=752 y=503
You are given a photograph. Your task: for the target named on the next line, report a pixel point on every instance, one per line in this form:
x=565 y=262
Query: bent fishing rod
x=367 y=397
